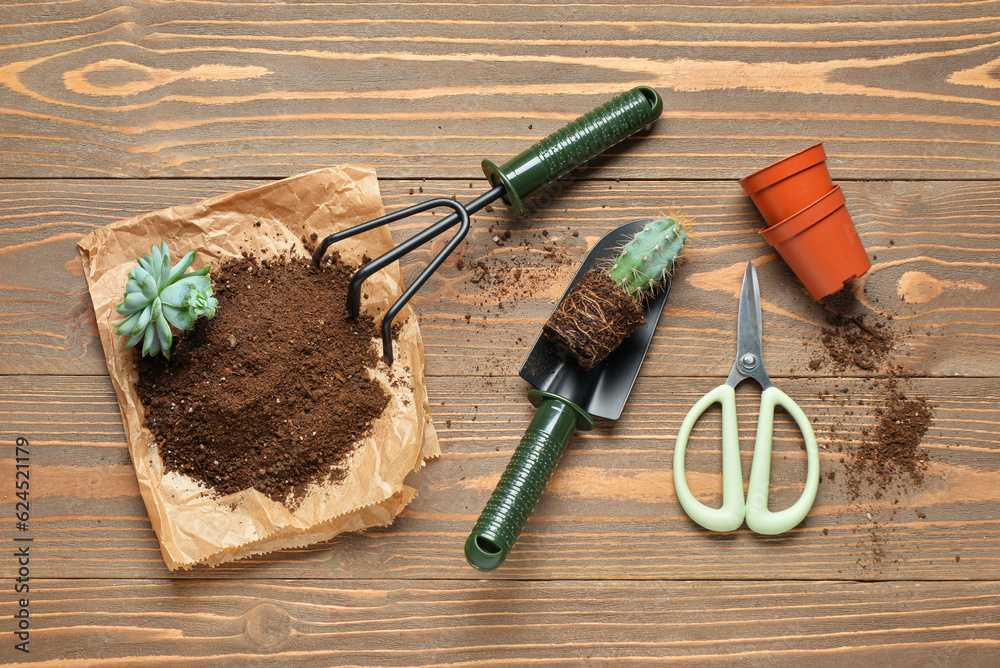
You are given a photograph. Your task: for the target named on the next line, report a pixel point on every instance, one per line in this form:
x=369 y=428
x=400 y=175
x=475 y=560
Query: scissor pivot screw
x=748 y=361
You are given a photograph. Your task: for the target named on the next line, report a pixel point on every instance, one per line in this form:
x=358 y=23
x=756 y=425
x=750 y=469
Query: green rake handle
x=576 y=143
x=522 y=483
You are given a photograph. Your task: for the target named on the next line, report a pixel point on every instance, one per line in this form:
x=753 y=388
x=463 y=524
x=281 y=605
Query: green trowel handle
x=568 y=148
x=521 y=485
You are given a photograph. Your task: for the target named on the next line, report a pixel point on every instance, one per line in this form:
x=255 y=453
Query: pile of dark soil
x=889 y=452
x=275 y=391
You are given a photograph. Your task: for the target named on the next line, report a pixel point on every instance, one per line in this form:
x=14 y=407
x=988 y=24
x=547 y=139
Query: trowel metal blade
x=603 y=390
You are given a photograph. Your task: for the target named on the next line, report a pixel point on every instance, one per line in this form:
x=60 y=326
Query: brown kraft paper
x=193 y=524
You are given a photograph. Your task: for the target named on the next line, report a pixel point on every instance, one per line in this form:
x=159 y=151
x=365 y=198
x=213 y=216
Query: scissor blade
x=748 y=327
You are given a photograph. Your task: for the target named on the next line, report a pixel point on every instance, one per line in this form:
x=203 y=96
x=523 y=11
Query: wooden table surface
x=107 y=111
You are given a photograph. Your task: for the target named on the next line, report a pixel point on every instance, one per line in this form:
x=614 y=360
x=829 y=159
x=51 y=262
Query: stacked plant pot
x=807 y=221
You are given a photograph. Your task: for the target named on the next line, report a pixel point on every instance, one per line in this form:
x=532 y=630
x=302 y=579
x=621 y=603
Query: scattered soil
x=513 y=266
x=883 y=461
x=891 y=451
x=272 y=394
x=874 y=544
x=864 y=346
x=501 y=267
x=886 y=454
x=593 y=320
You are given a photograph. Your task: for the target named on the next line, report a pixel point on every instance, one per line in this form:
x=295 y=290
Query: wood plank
x=610 y=511
x=900 y=90
x=439 y=623
x=217 y=96
x=934 y=248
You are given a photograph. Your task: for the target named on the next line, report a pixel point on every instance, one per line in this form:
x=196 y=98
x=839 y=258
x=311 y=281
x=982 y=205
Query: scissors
x=749 y=364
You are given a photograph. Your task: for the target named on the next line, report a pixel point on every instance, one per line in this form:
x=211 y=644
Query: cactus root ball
x=593 y=320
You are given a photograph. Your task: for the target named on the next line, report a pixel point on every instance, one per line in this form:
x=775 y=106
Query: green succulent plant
x=158 y=296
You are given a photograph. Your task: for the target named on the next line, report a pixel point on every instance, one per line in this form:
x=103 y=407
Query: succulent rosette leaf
x=158 y=296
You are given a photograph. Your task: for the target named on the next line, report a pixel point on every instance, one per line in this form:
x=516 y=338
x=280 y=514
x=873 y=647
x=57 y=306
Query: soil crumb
x=269 y=394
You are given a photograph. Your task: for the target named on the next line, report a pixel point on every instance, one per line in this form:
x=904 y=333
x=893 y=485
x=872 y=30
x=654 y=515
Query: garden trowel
x=566 y=398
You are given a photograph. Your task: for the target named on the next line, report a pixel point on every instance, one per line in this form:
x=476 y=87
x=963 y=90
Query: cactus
x=648 y=259
x=604 y=308
x=158 y=296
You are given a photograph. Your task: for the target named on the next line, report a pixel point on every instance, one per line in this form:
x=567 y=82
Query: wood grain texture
x=438 y=623
x=609 y=512
x=897 y=89
x=934 y=248
x=110 y=110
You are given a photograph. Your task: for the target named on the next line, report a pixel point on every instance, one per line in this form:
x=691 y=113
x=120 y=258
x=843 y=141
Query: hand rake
x=513 y=182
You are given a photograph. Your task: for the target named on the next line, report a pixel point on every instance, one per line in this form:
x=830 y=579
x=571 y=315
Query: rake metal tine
x=390 y=256
x=365 y=272
x=461 y=214
x=372 y=224
x=390 y=315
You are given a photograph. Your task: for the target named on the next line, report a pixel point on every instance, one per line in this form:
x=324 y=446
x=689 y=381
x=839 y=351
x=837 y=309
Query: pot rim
x=782 y=169
x=822 y=208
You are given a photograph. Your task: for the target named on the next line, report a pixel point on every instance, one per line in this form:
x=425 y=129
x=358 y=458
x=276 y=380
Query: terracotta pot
x=790 y=185
x=821 y=245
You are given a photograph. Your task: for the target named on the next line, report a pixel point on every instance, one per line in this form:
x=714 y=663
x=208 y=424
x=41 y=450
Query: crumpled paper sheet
x=194 y=525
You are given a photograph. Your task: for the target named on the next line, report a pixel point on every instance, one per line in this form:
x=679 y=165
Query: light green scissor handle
x=734 y=509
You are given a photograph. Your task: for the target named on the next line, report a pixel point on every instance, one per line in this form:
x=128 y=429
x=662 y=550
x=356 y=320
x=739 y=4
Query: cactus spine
x=648 y=259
